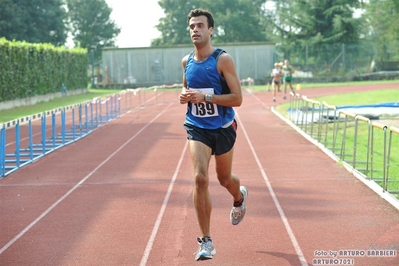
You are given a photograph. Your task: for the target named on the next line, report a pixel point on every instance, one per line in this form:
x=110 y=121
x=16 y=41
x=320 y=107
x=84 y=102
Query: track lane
x=235 y=245
x=328 y=208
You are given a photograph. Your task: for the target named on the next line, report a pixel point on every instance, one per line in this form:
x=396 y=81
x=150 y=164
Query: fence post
x=43 y=118
x=53 y=129
x=367 y=120
x=2 y=150
x=17 y=144
x=392 y=130
x=80 y=118
x=100 y=103
x=118 y=102
x=327 y=119
x=313 y=102
x=91 y=115
x=346 y=114
x=384 y=176
x=294 y=109
x=383 y=127
x=30 y=138
x=295 y=116
x=63 y=125
x=86 y=118
x=73 y=124
x=304 y=101
x=292 y=101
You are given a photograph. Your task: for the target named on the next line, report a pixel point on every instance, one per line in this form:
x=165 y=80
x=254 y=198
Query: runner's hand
x=194 y=96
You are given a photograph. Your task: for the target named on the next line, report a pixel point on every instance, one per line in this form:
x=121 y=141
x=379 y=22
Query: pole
x=93 y=85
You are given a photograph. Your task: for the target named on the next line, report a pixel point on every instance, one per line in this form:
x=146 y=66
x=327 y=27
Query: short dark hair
x=201 y=12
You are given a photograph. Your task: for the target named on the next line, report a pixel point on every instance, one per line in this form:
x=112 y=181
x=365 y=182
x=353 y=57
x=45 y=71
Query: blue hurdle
x=66 y=125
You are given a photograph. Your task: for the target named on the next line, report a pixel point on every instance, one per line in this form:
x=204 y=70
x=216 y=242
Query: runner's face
x=199 y=31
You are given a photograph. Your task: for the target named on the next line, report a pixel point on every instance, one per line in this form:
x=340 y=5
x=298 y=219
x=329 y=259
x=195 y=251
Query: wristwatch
x=208 y=97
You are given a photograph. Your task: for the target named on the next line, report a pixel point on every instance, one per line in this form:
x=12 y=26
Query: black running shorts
x=220 y=140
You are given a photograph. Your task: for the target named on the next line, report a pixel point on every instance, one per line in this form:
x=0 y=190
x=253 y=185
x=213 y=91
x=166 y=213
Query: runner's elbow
x=238 y=102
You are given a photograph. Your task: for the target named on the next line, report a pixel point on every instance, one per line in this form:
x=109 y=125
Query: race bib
x=205 y=109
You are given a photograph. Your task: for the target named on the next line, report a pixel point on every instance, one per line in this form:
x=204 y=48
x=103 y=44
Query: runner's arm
x=184 y=97
x=226 y=68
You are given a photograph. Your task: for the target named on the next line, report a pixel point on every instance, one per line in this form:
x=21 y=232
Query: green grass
x=18 y=112
x=305 y=86
x=357 y=98
x=360 y=98
x=352 y=83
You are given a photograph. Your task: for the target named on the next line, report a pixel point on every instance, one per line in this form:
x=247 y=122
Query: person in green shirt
x=288 y=71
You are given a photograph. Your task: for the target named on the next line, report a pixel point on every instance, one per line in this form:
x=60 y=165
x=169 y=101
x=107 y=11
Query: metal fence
x=144 y=67
x=368 y=147
x=343 y=61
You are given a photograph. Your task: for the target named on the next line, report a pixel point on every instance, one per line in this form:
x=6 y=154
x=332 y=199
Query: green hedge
x=28 y=69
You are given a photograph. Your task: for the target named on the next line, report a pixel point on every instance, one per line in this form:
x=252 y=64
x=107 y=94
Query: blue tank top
x=204 y=76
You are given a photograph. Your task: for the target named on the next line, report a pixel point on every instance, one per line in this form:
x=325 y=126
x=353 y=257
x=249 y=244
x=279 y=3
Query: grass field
x=306 y=86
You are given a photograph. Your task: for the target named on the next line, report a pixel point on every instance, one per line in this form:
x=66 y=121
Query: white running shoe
x=206 y=250
x=238 y=213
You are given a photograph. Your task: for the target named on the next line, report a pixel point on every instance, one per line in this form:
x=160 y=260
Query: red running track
x=122 y=196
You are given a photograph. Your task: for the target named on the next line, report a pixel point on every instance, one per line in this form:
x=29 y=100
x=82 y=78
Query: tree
x=173 y=26
x=90 y=24
x=320 y=26
x=238 y=20
x=34 y=21
x=383 y=28
x=235 y=21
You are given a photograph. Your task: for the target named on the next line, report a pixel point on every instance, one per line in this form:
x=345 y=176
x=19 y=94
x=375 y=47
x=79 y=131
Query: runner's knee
x=201 y=181
x=225 y=181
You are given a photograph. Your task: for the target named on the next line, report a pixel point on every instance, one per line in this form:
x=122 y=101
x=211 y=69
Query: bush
x=28 y=69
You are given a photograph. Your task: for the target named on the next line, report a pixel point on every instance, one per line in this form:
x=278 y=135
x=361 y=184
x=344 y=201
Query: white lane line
x=274 y=197
x=154 y=232
x=26 y=229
